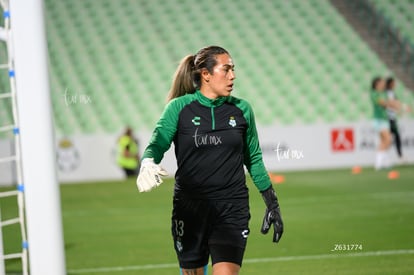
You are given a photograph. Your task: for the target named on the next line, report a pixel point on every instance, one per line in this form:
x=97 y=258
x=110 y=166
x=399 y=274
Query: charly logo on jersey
x=232 y=121
x=196 y=120
x=245 y=233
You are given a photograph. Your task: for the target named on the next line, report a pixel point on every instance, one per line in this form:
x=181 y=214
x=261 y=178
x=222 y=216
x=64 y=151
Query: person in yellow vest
x=128 y=157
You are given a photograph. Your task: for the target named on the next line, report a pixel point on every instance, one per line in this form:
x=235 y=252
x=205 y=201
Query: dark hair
x=389 y=82
x=375 y=82
x=187 y=77
x=128 y=131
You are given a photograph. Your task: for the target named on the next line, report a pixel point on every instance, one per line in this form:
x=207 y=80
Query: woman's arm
x=163 y=133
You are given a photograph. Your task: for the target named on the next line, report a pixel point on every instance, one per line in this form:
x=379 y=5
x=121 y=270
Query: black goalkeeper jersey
x=213 y=139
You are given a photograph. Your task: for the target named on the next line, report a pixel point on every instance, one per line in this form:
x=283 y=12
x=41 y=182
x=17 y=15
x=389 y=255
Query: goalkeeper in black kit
x=214 y=135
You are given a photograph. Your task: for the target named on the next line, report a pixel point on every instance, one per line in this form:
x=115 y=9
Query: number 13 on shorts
x=179 y=227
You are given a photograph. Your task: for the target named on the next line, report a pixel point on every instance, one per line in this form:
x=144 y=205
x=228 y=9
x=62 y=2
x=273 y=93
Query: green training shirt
x=380 y=112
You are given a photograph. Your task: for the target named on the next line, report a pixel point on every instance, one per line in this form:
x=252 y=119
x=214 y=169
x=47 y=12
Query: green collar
x=210 y=102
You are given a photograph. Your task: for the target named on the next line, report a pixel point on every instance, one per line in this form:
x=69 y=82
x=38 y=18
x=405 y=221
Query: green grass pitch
x=335 y=223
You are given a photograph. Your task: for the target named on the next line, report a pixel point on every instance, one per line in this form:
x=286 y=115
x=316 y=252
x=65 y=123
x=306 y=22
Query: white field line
x=250 y=261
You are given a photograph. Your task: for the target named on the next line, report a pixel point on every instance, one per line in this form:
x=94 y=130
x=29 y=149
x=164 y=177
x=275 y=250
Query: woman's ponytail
x=183 y=82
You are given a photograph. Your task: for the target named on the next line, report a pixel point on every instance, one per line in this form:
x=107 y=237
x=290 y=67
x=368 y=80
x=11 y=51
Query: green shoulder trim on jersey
x=166 y=128
x=253 y=154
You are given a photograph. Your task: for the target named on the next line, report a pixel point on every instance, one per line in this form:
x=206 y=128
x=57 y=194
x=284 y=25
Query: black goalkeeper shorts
x=203 y=228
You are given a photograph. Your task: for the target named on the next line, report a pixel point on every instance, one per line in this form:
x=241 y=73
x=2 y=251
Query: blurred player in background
x=128 y=158
x=381 y=103
x=214 y=135
x=392 y=116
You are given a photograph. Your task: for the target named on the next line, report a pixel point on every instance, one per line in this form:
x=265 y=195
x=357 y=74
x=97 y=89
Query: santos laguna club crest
x=67 y=156
x=232 y=122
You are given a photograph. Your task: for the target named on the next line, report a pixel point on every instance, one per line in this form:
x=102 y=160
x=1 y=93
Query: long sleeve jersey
x=213 y=139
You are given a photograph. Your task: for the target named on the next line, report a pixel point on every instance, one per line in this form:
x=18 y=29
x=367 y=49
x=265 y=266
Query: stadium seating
x=297 y=62
x=400 y=14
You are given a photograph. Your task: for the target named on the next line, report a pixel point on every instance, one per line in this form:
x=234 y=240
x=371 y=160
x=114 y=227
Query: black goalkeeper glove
x=272 y=214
